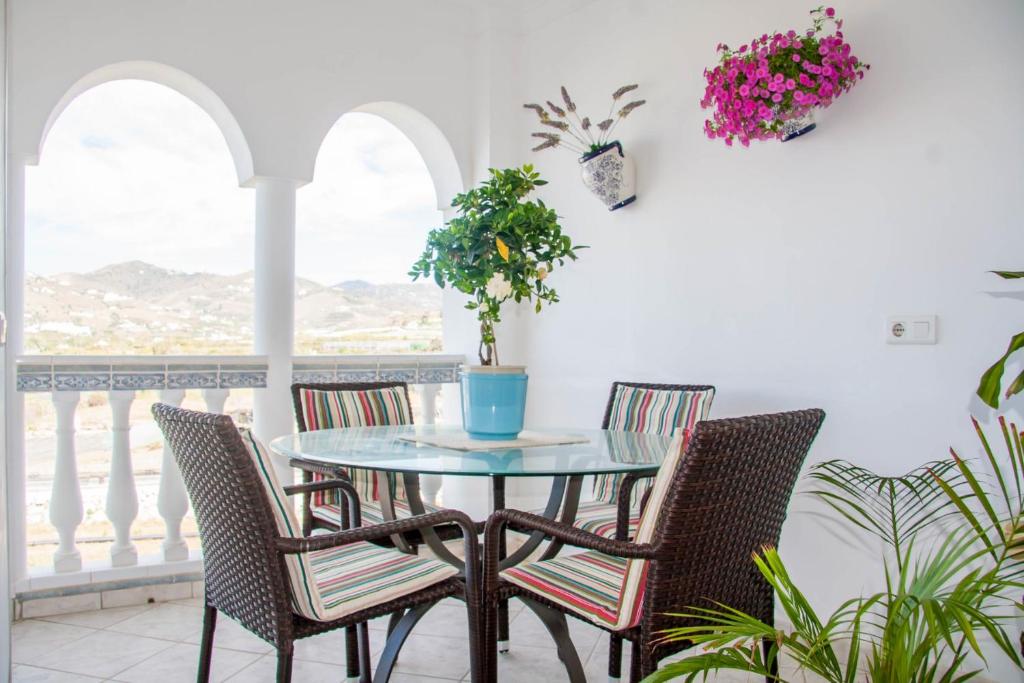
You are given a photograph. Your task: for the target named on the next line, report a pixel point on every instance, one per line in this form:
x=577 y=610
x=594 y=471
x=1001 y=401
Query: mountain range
x=139 y=308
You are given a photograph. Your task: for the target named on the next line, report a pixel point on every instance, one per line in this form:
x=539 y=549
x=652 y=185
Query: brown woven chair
x=723 y=496
x=333 y=517
x=245 y=555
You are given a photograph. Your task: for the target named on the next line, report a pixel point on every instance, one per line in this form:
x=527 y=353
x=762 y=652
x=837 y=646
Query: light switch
x=911 y=329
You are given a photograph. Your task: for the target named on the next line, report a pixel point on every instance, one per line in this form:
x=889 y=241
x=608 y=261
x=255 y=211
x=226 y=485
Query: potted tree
x=501 y=247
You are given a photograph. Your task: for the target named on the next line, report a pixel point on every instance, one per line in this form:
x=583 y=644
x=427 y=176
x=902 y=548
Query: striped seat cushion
x=388 y=406
x=600 y=518
x=369 y=511
x=329 y=584
x=608 y=591
x=653 y=411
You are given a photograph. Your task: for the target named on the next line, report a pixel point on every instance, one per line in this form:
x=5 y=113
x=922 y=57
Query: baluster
x=122 y=499
x=215 y=399
x=430 y=484
x=66 y=495
x=171 y=500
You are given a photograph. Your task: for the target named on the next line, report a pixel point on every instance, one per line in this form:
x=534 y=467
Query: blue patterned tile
x=356 y=375
x=243 y=380
x=398 y=375
x=437 y=375
x=137 y=380
x=313 y=376
x=34 y=381
x=68 y=381
x=192 y=380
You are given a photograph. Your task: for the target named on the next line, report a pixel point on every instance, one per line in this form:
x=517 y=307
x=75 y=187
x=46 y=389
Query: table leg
x=387 y=509
x=498 y=489
x=430 y=537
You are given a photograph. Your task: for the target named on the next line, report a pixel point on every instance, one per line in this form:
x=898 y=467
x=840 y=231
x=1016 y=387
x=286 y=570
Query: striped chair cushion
x=329 y=584
x=606 y=590
x=654 y=411
x=369 y=511
x=368 y=408
x=600 y=518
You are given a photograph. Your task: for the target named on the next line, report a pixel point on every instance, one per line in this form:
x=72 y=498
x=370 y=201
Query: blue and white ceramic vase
x=798 y=125
x=610 y=174
x=493 y=401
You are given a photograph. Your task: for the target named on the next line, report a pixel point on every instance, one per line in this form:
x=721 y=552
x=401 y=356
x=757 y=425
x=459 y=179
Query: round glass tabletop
x=403 y=449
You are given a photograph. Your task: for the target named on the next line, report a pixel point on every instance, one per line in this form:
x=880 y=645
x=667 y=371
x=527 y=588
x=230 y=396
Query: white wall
x=769 y=271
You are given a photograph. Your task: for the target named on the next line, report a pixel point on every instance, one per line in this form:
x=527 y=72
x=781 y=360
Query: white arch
x=429 y=141
x=177 y=80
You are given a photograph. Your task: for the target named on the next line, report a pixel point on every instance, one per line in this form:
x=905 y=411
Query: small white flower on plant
x=484 y=307
x=542 y=273
x=498 y=287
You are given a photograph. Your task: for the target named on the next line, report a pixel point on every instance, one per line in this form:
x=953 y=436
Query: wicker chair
x=614 y=510
x=275 y=582
x=721 y=495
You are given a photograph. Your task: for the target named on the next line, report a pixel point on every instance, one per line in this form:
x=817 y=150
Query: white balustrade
x=172 y=502
x=65 y=377
x=66 y=511
x=122 y=499
x=430 y=484
x=215 y=399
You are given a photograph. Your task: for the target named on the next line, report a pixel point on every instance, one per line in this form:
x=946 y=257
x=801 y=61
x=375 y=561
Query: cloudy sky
x=133 y=170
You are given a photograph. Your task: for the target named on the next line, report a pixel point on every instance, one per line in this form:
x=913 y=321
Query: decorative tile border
x=414 y=369
x=137 y=373
x=130 y=373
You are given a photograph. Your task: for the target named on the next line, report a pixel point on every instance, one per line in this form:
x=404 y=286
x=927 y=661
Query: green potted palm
x=500 y=248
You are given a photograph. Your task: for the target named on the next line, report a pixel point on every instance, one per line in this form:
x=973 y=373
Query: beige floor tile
x=31 y=674
x=33 y=637
x=101 y=653
x=165 y=620
x=527 y=629
x=231 y=635
x=264 y=670
x=178 y=664
x=101 y=618
x=424 y=655
x=524 y=664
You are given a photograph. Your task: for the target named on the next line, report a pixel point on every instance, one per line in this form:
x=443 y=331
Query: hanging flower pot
x=610 y=174
x=769 y=88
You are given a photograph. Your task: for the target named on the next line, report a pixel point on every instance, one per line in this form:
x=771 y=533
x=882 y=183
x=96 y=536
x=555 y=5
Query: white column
x=122 y=499
x=66 y=495
x=215 y=399
x=14 y=402
x=275 y=308
x=430 y=484
x=171 y=501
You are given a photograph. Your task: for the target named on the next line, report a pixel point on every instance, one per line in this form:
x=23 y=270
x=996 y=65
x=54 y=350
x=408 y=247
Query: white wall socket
x=911 y=329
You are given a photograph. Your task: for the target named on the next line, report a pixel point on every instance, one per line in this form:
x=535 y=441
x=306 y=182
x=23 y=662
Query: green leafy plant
x=991 y=381
x=501 y=247
x=951 y=565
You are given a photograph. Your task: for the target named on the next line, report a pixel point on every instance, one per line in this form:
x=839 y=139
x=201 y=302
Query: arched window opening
x=361 y=224
x=138 y=238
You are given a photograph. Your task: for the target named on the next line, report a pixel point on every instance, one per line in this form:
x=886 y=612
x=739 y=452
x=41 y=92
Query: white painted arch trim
x=429 y=141
x=176 y=79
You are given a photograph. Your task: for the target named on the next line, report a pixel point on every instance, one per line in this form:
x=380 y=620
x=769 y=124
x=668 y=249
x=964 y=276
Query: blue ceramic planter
x=493 y=404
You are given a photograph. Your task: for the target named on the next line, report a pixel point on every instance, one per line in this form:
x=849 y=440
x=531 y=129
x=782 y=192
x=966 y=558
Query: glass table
x=387 y=450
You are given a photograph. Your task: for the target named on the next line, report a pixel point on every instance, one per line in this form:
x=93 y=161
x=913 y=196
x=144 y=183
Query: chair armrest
x=315 y=468
x=346 y=488
x=526 y=521
x=623 y=502
x=379 y=531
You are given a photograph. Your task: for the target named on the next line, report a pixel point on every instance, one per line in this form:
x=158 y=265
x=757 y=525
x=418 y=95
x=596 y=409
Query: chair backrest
x=650 y=408
x=245 y=577
x=724 y=498
x=332 y=405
